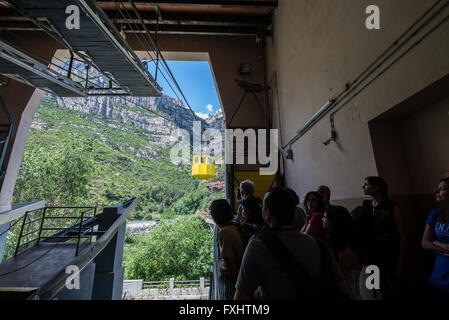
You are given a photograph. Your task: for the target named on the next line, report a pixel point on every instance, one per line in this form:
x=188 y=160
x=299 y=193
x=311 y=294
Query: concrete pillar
x=15 y=159
x=172 y=283
x=22 y=101
x=202 y=283
x=109 y=273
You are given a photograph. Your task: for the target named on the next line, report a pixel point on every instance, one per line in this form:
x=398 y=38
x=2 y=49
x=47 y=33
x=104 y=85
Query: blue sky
x=196 y=82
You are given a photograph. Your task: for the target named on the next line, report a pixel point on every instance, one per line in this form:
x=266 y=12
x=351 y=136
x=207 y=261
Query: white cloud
x=202 y=115
x=210 y=107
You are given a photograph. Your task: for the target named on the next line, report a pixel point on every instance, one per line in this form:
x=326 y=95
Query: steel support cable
x=138 y=36
x=151 y=111
x=62 y=41
x=141 y=43
x=101 y=19
x=36 y=56
x=160 y=54
x=156 y=37
x=130 y=25
x=55 y=35
x=88 y=63
x=374 y=67
x=83 y=74
x=46 y=61
x=144 y=38
x=44 y=71
x=144 y=46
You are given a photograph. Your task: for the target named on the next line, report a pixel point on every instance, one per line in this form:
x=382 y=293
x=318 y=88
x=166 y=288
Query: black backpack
x=362 y=223
x=323 y=287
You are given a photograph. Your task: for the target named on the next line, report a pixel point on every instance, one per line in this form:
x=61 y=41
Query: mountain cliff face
x=133 y=110
x=216 y=121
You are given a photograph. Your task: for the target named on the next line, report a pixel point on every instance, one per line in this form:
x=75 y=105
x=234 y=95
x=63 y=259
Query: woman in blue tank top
x=436 y=240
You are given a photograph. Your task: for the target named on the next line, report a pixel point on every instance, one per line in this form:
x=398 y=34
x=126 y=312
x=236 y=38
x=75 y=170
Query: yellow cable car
x=203 y=167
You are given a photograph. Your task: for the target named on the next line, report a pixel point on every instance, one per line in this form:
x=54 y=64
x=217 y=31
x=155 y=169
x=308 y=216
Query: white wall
x=319 y=46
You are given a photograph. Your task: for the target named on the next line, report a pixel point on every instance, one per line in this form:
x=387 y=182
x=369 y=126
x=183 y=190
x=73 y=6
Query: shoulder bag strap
x=288 y=263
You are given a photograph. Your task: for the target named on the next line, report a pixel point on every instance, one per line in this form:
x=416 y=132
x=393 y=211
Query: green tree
x=182 y=250
x=58 y=175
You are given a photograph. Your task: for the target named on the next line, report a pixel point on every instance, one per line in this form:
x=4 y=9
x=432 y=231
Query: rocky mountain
x=134 y=110
x=216 y=121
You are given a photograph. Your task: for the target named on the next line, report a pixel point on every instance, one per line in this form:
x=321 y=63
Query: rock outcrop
x=139 y=111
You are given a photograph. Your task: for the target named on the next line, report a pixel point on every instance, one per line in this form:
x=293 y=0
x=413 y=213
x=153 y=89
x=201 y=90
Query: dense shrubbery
x=59 y=175
x=182 y=250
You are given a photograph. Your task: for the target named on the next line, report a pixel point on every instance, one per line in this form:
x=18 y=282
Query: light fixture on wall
x=245 y=69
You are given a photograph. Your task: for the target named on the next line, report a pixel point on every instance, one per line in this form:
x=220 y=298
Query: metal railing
x=47 y=225
x=174 y=284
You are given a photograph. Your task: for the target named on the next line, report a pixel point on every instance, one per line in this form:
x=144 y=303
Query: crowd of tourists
x=280 y=249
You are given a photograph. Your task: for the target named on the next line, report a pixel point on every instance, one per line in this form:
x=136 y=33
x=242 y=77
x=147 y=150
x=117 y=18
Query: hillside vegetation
x=78 y=157
x=75 y=158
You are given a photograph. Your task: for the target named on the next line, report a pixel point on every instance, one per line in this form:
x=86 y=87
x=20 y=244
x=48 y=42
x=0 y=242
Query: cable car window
x=203 y=159
x=210 y=161
x=197 y=160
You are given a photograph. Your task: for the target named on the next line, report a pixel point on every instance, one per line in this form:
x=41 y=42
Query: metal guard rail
x=50 y=289
x=84 y=229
